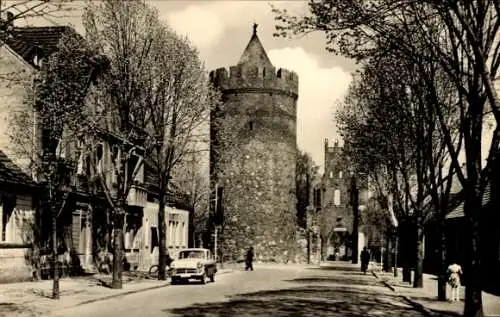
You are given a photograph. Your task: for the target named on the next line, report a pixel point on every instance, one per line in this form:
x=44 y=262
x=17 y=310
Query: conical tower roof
x=255 y=55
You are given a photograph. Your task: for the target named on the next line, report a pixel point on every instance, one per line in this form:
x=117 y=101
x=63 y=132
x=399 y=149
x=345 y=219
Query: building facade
x=84 y=227
x=254 y=159
x=335 y=202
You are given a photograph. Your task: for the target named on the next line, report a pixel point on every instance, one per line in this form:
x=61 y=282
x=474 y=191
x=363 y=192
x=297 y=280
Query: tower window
x=331 y=174
x=340 y=174
x=250 y=125
x=336 y=197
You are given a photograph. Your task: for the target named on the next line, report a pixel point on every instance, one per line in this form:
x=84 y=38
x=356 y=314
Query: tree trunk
x=355 y=223
x=55 y=262
x=162 y=237
x=308 y=237
x=406 y=259
x=388 y=252
x=473 y=296
x=442 y=262
x=37 y=239
x=396 y=246
x=118 y=249
x=407 y=272
x=418 y=281
x=322 y=249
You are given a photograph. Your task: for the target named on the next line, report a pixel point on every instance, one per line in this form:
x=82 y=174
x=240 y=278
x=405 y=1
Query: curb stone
x=410 y=301
x=90 y=301
x=419 y=306
x=384 y=282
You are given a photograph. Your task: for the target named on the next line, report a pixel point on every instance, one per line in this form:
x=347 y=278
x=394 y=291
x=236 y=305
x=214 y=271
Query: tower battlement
x=333 y=149
x=246 y=76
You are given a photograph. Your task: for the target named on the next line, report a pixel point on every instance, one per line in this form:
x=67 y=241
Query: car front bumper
x=187 y=273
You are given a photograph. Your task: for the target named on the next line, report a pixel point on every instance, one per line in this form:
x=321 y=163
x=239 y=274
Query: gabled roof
x=255 y=54
x=458 y=207
x=10 y=173
x=41 y=41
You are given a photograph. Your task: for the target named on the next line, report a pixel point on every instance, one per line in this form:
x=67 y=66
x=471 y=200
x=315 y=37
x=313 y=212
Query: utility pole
x=218 y=217
x=355 y=222
x=215 y=225
x=215 y=243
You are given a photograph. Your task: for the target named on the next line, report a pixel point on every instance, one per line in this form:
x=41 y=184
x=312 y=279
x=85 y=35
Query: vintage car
x=196 y=263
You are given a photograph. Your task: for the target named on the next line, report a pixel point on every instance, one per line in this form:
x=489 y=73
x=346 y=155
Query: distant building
x=333 y=198
x=255 y=166
x=335 y=201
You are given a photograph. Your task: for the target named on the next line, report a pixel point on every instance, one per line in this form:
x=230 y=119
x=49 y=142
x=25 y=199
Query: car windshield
x=193 y=254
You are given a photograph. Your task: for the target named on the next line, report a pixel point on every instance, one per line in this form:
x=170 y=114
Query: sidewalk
x=426 y=298
x=32 y=298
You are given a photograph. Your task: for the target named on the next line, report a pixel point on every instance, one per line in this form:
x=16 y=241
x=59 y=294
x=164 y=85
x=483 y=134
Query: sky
x=221 y=30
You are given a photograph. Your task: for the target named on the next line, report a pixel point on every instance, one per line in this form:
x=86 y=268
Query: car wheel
x=174 y=281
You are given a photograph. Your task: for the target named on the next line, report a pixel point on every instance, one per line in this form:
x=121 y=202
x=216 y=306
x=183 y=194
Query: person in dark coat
x=249 y=260
x=365 y=259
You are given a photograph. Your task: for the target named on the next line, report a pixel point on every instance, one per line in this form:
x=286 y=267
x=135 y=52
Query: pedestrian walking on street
x=454 y=271
x=249 y=260
x=365 y=259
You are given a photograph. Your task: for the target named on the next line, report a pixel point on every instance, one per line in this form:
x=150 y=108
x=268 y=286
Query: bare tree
x=178 y=103
x=125 y=32
x=191 y=177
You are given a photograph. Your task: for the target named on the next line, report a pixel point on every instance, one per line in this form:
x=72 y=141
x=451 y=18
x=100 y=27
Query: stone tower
x=336 y=197
x=254 y=156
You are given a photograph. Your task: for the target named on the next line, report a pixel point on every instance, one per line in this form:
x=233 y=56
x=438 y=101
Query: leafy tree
x=462 y=36
x=191 y=177
x=306 y=172
x=159 y=96
x=125 y=32
x=55 y=110
x=178 y=104
x=409 y=146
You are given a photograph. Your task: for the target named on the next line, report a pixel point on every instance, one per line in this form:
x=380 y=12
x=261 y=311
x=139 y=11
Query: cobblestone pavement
x=271 y=290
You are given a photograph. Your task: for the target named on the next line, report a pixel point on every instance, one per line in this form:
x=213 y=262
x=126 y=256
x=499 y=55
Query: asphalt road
x=267 y=291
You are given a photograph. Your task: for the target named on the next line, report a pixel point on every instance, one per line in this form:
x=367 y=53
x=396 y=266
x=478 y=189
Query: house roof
x=457 y=210
x=10 y=173
x=28 y=42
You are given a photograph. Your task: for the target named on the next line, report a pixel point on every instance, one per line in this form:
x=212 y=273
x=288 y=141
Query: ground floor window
x=7 y=218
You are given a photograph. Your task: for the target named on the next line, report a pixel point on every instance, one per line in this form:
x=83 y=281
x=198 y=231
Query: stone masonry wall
x=14 y=266
x=257 y=172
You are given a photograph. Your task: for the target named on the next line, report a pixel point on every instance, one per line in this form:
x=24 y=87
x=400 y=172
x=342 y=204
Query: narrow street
x=267 y=291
